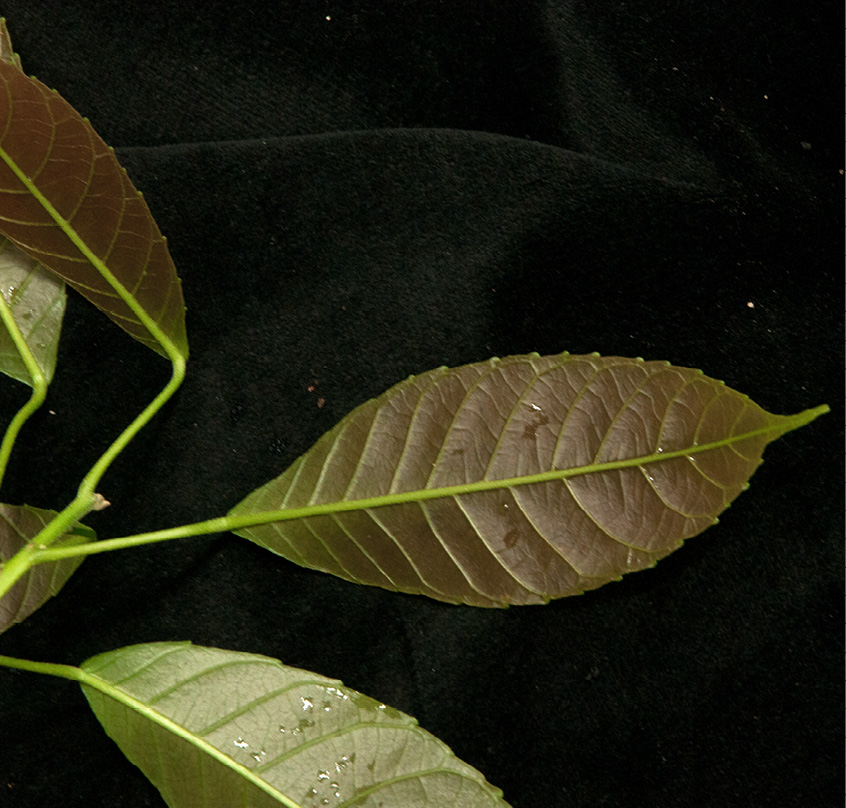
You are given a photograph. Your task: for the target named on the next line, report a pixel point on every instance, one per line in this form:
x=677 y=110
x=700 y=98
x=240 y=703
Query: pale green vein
x=179 y=731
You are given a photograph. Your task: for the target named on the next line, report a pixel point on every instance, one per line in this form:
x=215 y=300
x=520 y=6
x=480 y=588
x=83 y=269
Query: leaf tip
x=806 y=416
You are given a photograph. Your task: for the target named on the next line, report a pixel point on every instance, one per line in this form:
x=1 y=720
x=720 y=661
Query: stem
x=89 y=483
x=48 y=668
x=85 y=500
x=39 y=386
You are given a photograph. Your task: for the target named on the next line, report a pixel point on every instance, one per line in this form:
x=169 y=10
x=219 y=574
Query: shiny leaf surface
x=36 y=298
x=18 y=524
x=221 y=728
x=518 y=480
x=68 y=204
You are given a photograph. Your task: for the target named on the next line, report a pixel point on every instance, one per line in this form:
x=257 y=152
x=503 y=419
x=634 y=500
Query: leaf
x=19 y=524
x=7 y=53
x=68 y=204
x=221 y=728
x=518 y=480
x=37 y=301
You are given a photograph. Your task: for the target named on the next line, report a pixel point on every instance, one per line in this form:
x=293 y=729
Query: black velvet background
x=354 y=192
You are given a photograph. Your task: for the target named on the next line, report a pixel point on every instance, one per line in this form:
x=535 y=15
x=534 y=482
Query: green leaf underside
x=68 y=204
x=220 y=728
x=519 y=480
x=18 y=524
x=36 y=298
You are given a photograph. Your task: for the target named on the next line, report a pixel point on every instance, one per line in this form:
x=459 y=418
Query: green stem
x=85 y=498
x=91 y=480
x=39 y=386
x=48 y=668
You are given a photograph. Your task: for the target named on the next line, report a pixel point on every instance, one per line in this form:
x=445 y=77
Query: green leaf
x=36 y=298
x=220 y=728
x=19 y=524
x=518 y=480
x=67 y=203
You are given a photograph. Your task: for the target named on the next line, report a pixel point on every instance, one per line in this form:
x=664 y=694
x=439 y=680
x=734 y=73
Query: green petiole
x=39 y=386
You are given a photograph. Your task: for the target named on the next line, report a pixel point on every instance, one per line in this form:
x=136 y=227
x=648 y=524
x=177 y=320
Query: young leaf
x=36 y=298
x=518 y=480
x=67 y=203
x=212 y=727
x=18 y=524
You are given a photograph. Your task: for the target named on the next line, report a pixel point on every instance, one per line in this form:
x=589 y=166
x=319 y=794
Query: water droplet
x=8 y=292
x=282 y=729
x=535 y=407
x=322 y=775
x=240 y=743
x=257 y=756
x=691 y=458
x=326 y=706
x=307 y=703
x=659 y=450
x=344 y=761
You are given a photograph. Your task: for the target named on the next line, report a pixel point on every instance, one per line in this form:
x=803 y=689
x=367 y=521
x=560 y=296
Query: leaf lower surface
x=220 y=728
x=67 y=203
x=19 y=524
x=519 y=480
x=36 y=298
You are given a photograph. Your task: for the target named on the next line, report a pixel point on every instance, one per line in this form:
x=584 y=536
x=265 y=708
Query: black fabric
x=354 y=192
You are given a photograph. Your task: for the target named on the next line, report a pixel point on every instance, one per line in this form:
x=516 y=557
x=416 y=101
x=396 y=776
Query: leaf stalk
x=39 y=386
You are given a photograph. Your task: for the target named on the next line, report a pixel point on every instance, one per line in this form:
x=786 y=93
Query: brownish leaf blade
x=19 y=524
x=67 y=203
x=36 y=299
x=518 y=480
